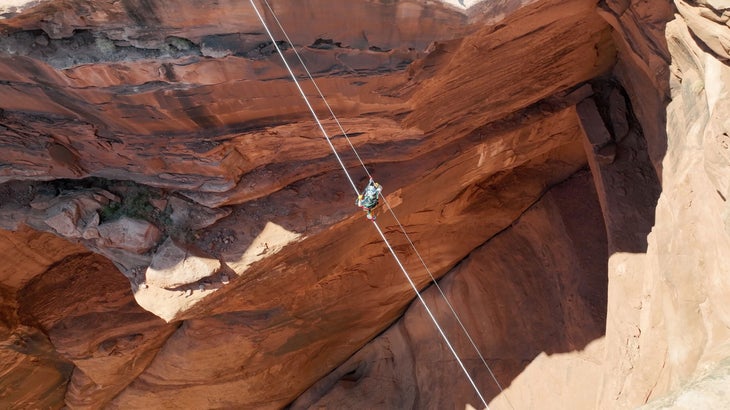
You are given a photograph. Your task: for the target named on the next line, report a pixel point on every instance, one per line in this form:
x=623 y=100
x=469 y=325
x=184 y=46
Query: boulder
x=72 y=214
x=64 y=218
x=194 y=216
x=133 y=235
x=172 y=266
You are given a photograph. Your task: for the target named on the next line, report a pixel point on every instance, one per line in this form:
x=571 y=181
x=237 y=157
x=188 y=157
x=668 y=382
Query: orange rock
x=479 y=119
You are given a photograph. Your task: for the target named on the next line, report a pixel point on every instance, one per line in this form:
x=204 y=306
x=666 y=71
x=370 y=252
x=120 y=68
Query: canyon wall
x=668 y=323
x=178 y=233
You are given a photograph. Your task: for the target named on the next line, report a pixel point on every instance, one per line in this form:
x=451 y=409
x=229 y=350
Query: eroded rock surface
x=173 y=266
x=130 y=234
x=87 y=310
x=178 y=231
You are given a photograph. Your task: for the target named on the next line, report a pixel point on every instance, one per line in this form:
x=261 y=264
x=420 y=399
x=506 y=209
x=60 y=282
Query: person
x=368 y=199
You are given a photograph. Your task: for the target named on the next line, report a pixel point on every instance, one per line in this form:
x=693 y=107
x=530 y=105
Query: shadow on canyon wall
x=540 y=285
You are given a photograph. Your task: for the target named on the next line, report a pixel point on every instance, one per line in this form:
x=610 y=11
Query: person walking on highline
x=368 y=199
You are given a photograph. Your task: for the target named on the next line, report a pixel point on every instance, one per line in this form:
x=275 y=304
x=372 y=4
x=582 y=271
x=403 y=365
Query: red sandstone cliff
x=177 y=232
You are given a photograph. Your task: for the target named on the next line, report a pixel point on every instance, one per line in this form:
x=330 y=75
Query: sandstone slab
x=173 y=266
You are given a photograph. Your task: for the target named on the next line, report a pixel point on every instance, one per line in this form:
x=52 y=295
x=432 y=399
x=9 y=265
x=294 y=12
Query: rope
x=306 y=100
x=385 y=200
x=316 y=87
x=433 y=319
x=443 y=295
x=354 y=187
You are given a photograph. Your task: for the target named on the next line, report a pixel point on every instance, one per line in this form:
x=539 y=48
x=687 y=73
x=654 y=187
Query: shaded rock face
x=33 y=373
x=72 y=331
x=109 y=342
x=178 y=231
x=530 y=289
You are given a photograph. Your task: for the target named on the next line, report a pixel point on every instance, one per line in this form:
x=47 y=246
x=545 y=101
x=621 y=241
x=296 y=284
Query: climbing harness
x=382 y=235
x=368 y=199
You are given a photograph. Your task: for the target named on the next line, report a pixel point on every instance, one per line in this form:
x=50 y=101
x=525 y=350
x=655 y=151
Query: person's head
x=376 y=184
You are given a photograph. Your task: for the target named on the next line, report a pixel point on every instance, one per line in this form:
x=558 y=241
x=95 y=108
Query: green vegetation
x=136 y=201
x=136 y=204
x=105 y=45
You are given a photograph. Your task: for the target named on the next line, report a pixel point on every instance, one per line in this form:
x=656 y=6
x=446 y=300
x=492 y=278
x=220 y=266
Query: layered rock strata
x=563 y=162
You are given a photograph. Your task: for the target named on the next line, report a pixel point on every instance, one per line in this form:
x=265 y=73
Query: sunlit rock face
x=179 y=233
x=668 y=322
